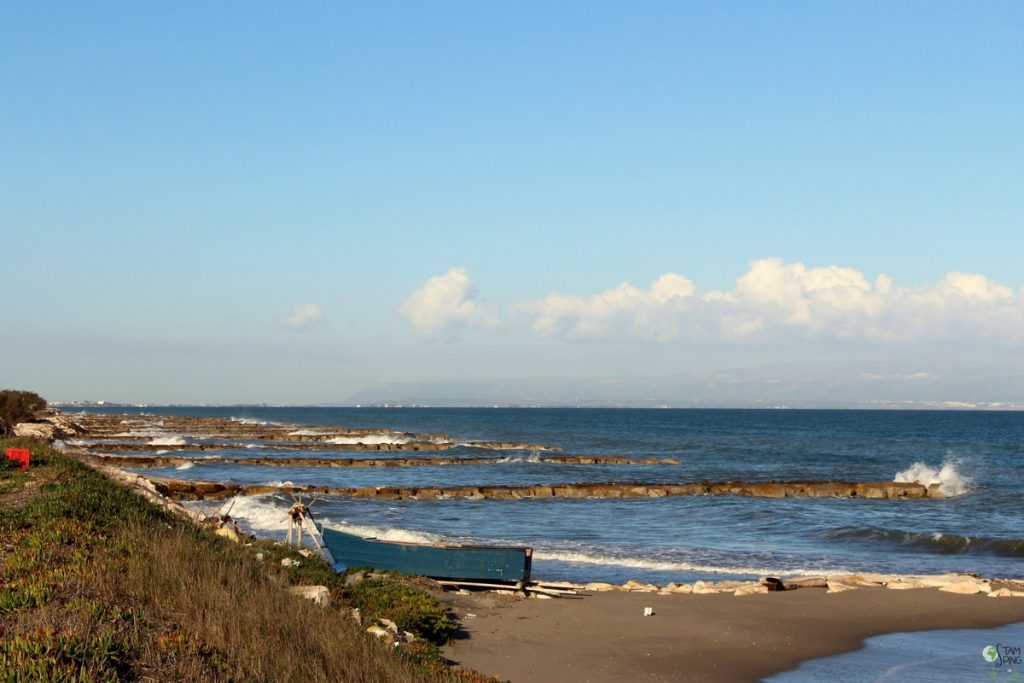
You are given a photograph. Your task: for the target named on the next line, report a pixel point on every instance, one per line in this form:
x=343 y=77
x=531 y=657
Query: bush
x=411 y=609
x=18 y=406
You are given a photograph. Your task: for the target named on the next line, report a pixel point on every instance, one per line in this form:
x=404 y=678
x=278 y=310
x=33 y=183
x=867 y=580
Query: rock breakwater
x=199 y=490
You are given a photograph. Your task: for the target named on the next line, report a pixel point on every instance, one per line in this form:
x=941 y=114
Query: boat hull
x=465 y=563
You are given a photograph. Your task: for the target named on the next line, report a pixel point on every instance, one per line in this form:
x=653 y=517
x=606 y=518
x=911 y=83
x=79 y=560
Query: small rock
x=969 y=587
x=260 y=556
x=839 y=587
x=636 y=586
x=750 y=589
x=380 y=633
x=228 y=533
x=389 y=625
x=289 y=562
x=318 y=594
x=599 y=587
x=353 y=579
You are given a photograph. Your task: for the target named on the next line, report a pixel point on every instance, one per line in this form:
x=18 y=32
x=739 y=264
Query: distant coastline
x=967 y=406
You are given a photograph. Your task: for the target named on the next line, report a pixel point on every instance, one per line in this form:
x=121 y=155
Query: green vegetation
x=97 y=584
x=18 y=406
x=410 y=608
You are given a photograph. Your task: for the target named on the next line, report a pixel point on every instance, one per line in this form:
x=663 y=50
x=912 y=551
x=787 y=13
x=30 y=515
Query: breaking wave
x=534 y=458
x=950 y=480
x=384 y=533
x=368 y=439
x=933 y=542
x=677 y=566
x=168 y=441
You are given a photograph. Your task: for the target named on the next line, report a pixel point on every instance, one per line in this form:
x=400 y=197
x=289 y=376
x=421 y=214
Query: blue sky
x=178 y=177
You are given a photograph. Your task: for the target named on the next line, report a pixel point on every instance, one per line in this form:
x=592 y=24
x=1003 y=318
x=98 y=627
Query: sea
x=977 y=457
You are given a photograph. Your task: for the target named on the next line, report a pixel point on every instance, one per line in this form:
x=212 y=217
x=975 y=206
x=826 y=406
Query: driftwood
x=777 y=584
x=528 y=588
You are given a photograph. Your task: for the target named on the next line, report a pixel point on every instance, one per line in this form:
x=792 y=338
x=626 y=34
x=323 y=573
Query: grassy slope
x=97 y=584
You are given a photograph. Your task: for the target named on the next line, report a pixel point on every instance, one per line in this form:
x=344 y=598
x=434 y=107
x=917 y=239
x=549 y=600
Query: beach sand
x=604 y=637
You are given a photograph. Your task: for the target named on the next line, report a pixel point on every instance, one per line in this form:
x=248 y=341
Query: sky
x=256 y=202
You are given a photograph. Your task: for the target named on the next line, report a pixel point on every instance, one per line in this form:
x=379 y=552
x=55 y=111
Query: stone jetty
x=199 y=490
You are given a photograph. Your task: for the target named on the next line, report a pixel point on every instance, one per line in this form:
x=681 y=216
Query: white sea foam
x=307 y=432
x=255 y=514
x=368 y=439
x=251 y=421
x=168 y=441
x=185 y=466
x=951 y=481
x=535 y=458
x=384 y=533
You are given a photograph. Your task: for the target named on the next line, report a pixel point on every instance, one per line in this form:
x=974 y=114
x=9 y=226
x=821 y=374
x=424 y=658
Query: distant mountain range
x=931 y=384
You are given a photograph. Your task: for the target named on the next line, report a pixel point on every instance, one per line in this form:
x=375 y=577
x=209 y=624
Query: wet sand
x=604 y=637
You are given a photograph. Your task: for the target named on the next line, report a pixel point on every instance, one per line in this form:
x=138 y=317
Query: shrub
x=18 y=406
x=410 y=608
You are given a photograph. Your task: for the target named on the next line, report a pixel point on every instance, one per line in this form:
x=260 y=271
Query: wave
x=307 y=432
x=267 y=514
x=368 y=439
x=385 y=533
x=258 y=515
x=169 y=441
x=950 y=480
x=535 y=458
x=935 y=542
x=251 y=421
x=185 y=466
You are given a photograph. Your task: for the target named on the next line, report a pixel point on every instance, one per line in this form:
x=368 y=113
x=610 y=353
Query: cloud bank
x=303 y=315
x=444 y=303
x=773 y=301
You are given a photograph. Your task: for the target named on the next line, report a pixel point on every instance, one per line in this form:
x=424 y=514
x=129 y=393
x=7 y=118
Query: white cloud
x=303 y=315
x=773 y=301
x=445 y=302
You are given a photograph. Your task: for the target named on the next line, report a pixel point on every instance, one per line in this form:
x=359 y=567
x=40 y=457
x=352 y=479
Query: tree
x=18 y=406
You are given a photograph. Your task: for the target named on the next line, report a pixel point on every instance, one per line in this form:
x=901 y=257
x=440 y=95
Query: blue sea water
x=676 y=539
x=943 y=656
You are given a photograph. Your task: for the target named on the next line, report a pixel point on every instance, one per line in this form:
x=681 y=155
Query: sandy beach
x=604 y=637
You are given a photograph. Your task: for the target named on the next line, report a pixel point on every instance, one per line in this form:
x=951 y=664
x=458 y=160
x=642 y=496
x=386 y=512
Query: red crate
x=20 y=456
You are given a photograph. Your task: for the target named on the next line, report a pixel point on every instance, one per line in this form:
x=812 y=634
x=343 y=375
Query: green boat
x=502 y=564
